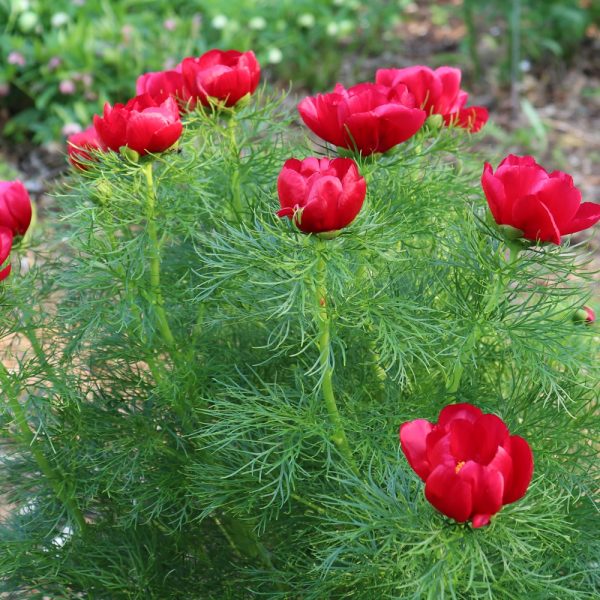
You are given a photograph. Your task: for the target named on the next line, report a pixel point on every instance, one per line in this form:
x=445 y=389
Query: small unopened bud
x=510 y=233
x=328 y=235
x=129 y=154
x=103 y=191
x=585 y=314
x=434 y=121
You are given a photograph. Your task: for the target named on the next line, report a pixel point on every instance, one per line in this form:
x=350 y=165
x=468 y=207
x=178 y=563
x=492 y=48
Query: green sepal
x=129 y=154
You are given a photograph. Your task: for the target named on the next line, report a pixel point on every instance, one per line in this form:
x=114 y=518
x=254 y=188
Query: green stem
x=339 y=437
x=236 y=192
x=155 y=289
x=492 y=299
x=28 y=440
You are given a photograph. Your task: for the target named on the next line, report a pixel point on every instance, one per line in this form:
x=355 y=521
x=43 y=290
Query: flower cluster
x=150 y=122
x=470 y=463
x=15 y=218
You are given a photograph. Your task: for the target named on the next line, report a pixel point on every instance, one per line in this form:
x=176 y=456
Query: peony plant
x=224 y=328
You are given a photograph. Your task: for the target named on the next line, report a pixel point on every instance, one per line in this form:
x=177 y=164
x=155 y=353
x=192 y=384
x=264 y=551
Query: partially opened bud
x=320 y=195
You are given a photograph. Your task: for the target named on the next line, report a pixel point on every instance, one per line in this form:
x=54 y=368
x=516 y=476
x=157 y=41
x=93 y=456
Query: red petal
x=291 y=186
x=461 y=410
x=463 y=442
x=449 y=78
x=321 y=212
x=449 y=493
x=398 y=124
x=5 y=272
x=320 y=114
x=490 y=432
x=413 y=437
x=494 y=193
x=561 y=198
x=522 y=469
x=587 y=216
x=164 y=138
x=532 y=216
x=6 y=241
x=472 y=118
x=521 y=176
x=480 y=520
x=487 y=485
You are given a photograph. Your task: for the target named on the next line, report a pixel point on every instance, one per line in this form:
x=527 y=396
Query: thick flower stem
x=28 y=439
x=155 y=289
x=339 y=437
x=492 y=299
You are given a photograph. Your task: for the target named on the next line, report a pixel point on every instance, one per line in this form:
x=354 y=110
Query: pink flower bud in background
x=54 y=63
x=16 y=58
x=170 y=24
x=4 y=89
x=126 y=32
x=67 y=87
x=70 y=129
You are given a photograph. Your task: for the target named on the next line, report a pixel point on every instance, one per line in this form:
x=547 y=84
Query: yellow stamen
x=459 y=465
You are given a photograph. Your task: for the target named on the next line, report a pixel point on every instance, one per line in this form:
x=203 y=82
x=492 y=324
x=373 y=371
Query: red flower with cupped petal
x=6 y=240
x=543 y=206
x=438 y=93
x=470 y=463
x=226 y=76
x=320 y=195
x=15 y=207
x=80 y=143
x=142 y=125
x=160 y=85
x=366 y=118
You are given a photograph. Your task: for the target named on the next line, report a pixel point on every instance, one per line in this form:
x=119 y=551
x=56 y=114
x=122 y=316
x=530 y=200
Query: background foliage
x=74 y=55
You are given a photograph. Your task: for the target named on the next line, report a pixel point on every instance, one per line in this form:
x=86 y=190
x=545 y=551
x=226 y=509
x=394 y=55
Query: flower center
x=459 y=465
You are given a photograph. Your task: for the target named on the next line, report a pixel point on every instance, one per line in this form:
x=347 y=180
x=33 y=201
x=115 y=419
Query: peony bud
x=585 y=314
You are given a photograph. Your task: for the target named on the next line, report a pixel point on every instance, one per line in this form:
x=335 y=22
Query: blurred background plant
x=62 y=60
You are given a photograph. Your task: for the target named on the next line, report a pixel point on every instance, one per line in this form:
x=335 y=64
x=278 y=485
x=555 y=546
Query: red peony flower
x=544 y=206
x=15 y=208
x=142 y=125
x=438 y=93
x=78 y=143
x=162 y=84
x=320 y=194
x=469 y=462
x=6 y=239
x=227 y=76
x=366 y=117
